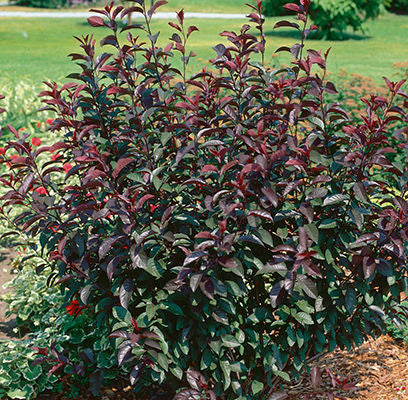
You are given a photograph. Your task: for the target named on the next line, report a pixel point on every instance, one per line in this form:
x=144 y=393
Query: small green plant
x=19 y=378
x=21 y=109
x=49 y=320
x=31 y=298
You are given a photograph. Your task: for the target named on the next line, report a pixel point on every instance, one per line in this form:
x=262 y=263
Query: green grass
x=226 y=6
x=38 y=48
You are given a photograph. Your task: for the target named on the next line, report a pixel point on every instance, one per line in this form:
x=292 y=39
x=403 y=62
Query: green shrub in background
x=398 y=6
x=273 y=8
x=333 y=17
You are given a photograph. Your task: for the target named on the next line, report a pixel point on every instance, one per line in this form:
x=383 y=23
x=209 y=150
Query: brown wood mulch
x=376 y=369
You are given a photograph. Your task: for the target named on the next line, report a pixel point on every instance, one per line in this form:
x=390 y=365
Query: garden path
x=6 y=274
x=86 y=14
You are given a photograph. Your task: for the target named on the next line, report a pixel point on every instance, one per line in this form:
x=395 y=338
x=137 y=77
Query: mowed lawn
x=37 y=48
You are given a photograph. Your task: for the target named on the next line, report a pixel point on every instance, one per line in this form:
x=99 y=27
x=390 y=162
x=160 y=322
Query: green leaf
x=216 y=346
x=153 y=268
x=328 y=223
x=284 y=375
x=305 y=306
x=174 y=309
x=234 y=288
x=206 y=359
x=358 y=218
x=5 y=379
x=312 y=232
x=329 y=257
x=163 y=361
x=304 y=318
x=291 y=338
x=266 y=237
x=270 y=268
x=334 y=199
x=195 y=280
x=230 y=341
x=282 y=233
x=350 y=300
x=226 y=369
x=177 y=372
x=23 y=393
x=360 y=192
x=121 y=314
x=256 y=387
x=308 y=286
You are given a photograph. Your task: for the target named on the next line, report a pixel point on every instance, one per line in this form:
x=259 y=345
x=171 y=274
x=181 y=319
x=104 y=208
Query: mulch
x=376 y=369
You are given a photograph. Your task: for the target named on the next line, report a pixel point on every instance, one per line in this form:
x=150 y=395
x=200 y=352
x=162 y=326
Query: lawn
x=210 y=6
x=38 y=48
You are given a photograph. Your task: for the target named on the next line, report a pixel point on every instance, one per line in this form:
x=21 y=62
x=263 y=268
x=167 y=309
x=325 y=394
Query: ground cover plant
x=57 y=329
x=223 y=227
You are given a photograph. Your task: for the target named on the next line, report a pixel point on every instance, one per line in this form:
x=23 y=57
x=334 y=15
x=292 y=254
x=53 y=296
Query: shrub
x=272 y=8
x=333 y=17
x=227 y=226
x=398 y=6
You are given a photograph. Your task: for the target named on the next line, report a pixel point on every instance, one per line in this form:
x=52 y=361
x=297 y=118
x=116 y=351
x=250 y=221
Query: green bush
x=333 y=17
x=398 y=6
x=273 y=8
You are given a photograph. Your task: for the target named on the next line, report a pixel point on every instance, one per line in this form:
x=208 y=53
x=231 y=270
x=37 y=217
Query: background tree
x=398 y=6
x=333 y=17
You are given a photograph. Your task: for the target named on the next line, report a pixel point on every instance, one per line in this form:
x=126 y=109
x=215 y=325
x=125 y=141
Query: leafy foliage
x=21 y=108
x=398 y=328
x=31 y=299
x=333 y=17
x=19 y=378
x=73 y=339
x=234 y=222
x=398 y=6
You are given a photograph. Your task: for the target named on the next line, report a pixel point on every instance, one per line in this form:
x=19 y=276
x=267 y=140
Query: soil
x=376 y=369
